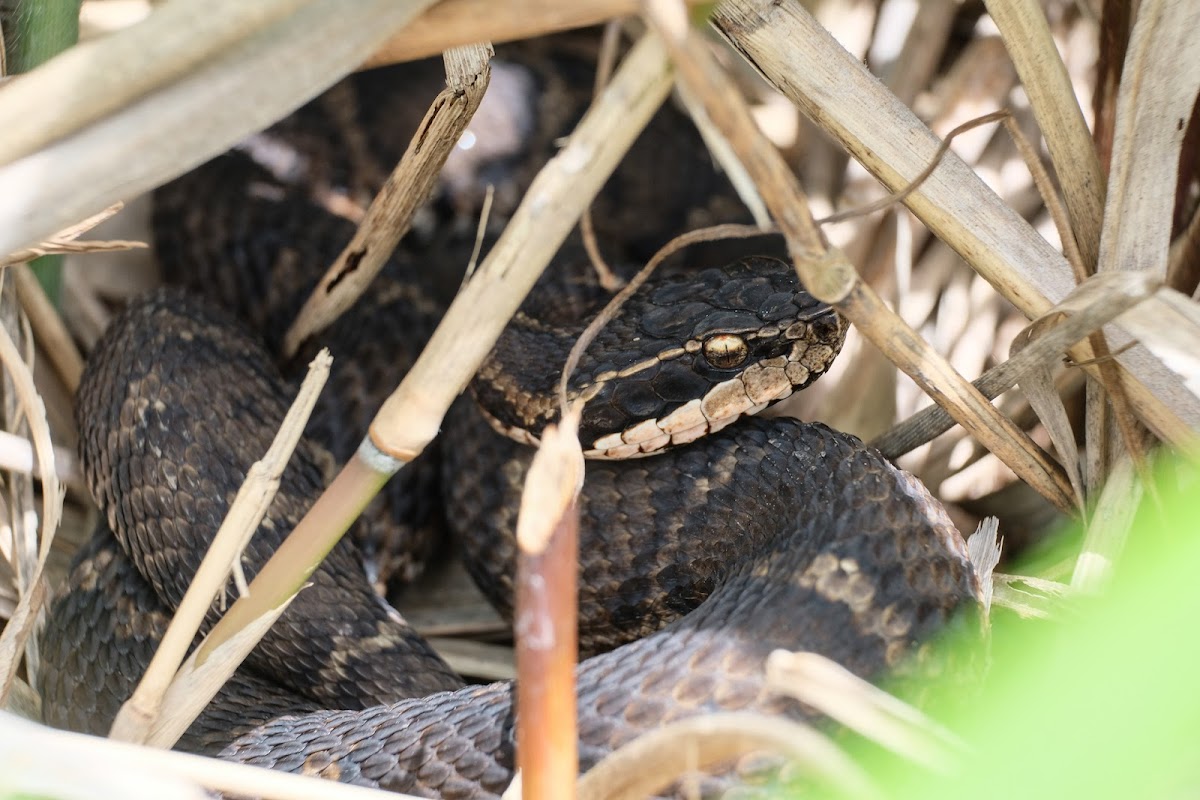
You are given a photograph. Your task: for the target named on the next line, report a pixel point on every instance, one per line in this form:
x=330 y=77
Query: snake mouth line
x=746 y=394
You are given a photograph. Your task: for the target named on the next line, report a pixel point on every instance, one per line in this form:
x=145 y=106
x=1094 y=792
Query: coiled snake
x=695 y=563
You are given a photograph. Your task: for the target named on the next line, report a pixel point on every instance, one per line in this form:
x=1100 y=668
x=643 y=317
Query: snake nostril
x=726 y=351
x=827 y=328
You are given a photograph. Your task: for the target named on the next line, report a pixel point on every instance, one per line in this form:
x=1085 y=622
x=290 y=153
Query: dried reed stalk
x=262 y=75
x=454 y=23
x=838 y=693
x=33 y=758
x=103 y=76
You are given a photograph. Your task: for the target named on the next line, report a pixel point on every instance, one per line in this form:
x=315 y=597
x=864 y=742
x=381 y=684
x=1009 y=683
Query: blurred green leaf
x=48 y=270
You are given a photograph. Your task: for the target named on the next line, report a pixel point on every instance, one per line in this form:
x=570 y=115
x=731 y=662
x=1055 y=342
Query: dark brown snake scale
x=696 y=563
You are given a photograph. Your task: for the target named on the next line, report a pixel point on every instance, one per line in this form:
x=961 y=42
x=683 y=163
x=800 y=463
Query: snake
x=710 y=536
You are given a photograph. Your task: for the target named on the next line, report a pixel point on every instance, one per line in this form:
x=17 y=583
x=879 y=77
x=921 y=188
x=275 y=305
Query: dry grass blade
x=64 y=241
x=16 y=632
x=838 y=93
x=145 y=717
x=1094 y=303
x=1168 y=325
x=1022 y=23
x=1109 y=528
x=983 y=549
x=1043 y=603
x=544 y=625
x=411 y=183
x=454 y=23
x=1157 y=93
x=52 y=247
x=1158 y=89
x=194 y=686
x=1039 y=385
x=150 y=140
x=412 y=416
x=1039 y=389
x=32 y=758
x=655 y=760
x=843 y=696
x=829 y=276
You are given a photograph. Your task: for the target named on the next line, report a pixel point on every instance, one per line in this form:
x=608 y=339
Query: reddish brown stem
x=546 y=655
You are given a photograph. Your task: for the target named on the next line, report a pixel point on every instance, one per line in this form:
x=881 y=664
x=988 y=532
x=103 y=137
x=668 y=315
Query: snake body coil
x=696 y=562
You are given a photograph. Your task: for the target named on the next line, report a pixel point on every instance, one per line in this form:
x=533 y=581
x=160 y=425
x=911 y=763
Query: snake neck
x=764 y=500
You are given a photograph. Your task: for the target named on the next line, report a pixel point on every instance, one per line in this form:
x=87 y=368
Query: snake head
x=690 y=355
x=684 y=357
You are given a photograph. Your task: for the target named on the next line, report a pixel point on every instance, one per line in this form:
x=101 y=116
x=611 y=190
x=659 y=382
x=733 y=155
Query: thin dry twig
x=610 y=310
x=605 y=60
x=893 y=198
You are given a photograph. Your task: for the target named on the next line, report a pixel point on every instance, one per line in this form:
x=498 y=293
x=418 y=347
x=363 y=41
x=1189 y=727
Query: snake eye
x=726 y=351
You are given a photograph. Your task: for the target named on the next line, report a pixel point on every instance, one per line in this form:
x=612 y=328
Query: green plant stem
x=37 y=30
